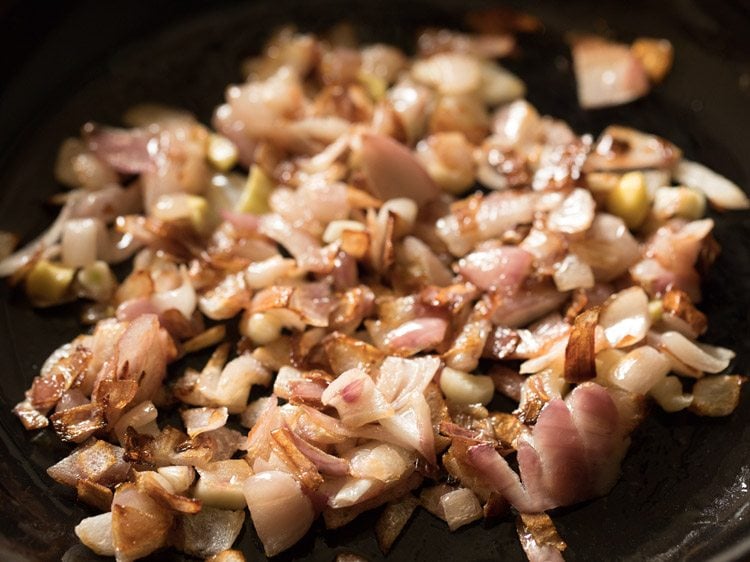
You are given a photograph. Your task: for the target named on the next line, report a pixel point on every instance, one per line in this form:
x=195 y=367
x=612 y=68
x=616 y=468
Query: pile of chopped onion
x=397 y=240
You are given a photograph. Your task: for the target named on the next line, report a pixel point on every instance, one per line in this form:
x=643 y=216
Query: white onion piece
x=497 y=212
x=393 y=171
x=355 y=490
x=502 y=268
x=413 y=251
x=499 y=85
x=609 y=247
x=79 y=241
x=356 y=399
x=174 y=206
x=702 y=357
x=238 y=376
x=448 y=158
x=641 y=369
x=625 y=318
x=226 y=299
x=400 y=378
x=380 y=461
x=416 y=335
x=182 y=299
x=179 y=478
x=412 y=103
x=282 y=386
x=221 y=483
x=718 y=189
x=280 y=511
x=139 y=523
x=201 y=420
x=607 y=73
x=49 y=237
x=464 y=388
x=573 y=273
x=717 y=396
x=141 y=417
x=209 y=532
x=450 y=73
x=574 y=214
x=96 y=533
x=554 y=357
x=229 y=386
x=515 y=123
x=460 y=507
x=668 y=394
x=411 y=427
x=264 y=273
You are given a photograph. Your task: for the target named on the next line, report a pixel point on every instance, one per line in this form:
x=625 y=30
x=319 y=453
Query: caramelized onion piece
x=140 y=525
x=717 y=396
x=539 y=538
x=392 y=521
x=208 y=533
x=580 y=364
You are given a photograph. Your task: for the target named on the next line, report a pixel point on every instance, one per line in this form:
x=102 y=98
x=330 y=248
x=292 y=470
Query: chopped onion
x=460 y=507
x=393 y=520
x=499 y=85
x=281 y=513
x=209 y=532
x=669 y=395
x=607 y=73
x=96 y=533
x=200 y=420
x=464 y=388
x=718 y=189
x=641 y=369
x=702 y=357
x=717 y=396
x=574 y=214
x=450 y=73
x=356 y=399
x=573 y=273
x=393 y=171
x=625 y=317
x=79 y=241
x=221 y=484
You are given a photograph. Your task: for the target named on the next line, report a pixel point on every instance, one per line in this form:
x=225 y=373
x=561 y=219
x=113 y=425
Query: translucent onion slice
x=703 y=357
x=641 y=369
x=460 y=507
x=717 y=396
x=625 y=318
x=280 y=511
x=450 y=73
x=669 y=395
x=96 y=533
x=718 y=189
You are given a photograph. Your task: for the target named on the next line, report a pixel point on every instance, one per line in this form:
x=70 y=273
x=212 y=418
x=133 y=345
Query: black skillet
x=684 y=490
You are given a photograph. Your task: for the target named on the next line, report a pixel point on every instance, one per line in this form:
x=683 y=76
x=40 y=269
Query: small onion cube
x=460 y=508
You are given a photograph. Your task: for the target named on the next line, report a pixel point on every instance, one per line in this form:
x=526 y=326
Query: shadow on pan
x=684 y=490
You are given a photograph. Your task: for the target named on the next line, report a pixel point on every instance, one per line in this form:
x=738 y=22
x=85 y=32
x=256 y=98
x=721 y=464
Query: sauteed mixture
x=367 y=249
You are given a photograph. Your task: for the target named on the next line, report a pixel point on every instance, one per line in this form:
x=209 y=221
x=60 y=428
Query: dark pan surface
x=684 y=490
